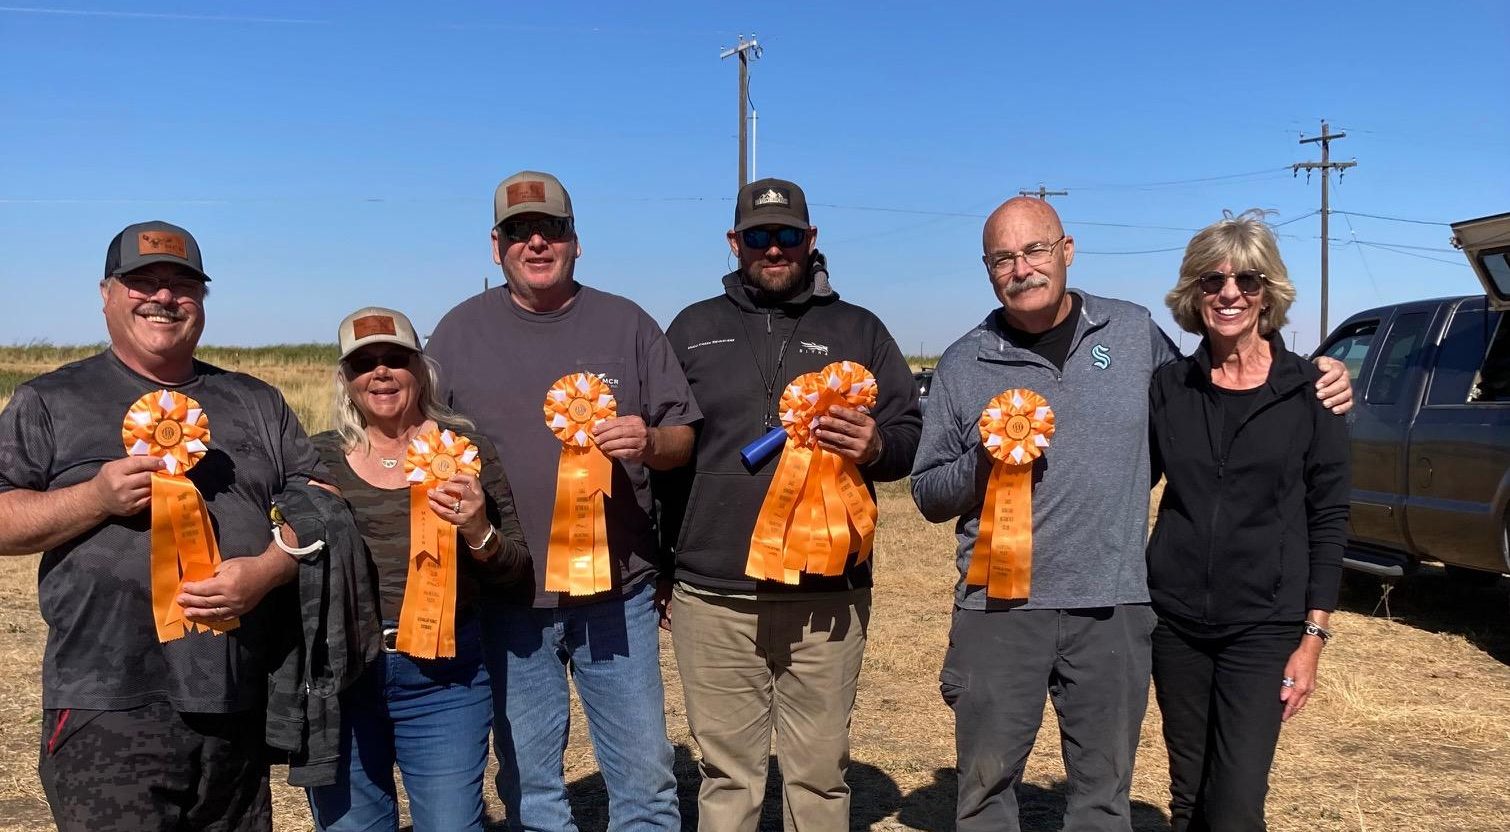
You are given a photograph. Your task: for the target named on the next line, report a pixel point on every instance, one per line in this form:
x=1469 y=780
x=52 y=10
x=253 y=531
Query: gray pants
x=1093 y=663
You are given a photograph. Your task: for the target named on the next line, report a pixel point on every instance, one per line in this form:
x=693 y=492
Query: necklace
x=391 y=462
x=388 y=463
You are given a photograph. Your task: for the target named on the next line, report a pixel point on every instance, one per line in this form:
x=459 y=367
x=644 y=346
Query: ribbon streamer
x=172 y=427
x=427 y=618
x=816 y=510
x=1015 y=428
x=577 y=561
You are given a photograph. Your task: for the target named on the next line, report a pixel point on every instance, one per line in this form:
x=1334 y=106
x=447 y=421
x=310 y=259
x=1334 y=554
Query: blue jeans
x=612 y=649
x=431 y=716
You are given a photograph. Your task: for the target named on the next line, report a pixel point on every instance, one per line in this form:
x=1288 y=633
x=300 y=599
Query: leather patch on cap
x=530 y=191
x=161 y=242
x=369 y=325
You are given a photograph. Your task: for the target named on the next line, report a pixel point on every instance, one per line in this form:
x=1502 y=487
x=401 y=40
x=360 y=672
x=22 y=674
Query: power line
x=1392 y=219
x=1413 y=254
x=1171 y=182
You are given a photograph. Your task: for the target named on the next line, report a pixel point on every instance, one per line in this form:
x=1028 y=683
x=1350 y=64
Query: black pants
x=152 y=769
x=1093 y=663
x=1219 y=696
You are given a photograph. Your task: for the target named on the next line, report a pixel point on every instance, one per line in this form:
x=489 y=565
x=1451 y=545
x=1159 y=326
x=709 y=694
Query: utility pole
x=745 y=49
x=1042 y=193
x=1326 y=166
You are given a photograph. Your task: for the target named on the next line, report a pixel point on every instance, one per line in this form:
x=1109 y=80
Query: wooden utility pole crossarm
x=1042 y=193
x=1326 y=166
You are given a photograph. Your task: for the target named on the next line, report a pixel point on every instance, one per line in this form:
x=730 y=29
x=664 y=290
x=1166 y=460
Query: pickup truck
x=1430 y=431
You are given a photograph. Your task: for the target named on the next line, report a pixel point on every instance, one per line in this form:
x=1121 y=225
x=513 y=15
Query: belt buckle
x=390 y=639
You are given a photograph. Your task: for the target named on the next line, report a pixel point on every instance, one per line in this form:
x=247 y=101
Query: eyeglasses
x=366 y=362
x=1036 y=254
x=1249 y=282
x=785 y=236
x=551 y=229
x=146 y=286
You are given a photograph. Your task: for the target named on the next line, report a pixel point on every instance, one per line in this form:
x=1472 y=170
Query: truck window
x=1351 y=346
x=1396 y=357
x=1493 y=382
x=1461 y=354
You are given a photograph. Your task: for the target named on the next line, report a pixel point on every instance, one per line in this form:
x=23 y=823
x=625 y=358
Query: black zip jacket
x=739 y=354
x=1257 y=534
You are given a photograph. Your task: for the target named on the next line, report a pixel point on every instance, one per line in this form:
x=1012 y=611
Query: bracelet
x=486 y=539
x=1314 y=629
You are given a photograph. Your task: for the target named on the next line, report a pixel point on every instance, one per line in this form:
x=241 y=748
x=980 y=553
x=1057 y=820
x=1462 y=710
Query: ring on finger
x=456 y=507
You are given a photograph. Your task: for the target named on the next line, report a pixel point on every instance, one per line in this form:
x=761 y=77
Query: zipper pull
x=768 y=323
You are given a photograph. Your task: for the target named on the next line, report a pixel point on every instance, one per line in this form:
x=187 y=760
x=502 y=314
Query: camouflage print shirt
x=382 y=516
x=95 y=589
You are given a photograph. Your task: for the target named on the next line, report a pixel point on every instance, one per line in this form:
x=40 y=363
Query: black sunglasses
x=1249 y=283
x=366 y=362
x=785 y=236
x=552 y=229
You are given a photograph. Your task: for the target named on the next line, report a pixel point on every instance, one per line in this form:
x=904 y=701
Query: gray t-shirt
x=95 y=590
x=497 y=362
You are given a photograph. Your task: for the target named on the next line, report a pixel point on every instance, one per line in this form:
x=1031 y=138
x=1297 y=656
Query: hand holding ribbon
x=172 y=429
x=577 y=560
x=1014 y=428
x=817 y=505
x=427 y=618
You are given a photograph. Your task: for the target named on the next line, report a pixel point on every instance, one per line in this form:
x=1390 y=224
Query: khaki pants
x=751 y=668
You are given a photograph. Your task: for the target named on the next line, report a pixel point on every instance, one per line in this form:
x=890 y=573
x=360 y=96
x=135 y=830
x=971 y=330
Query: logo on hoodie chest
x=811 y=348
x=1101 y=357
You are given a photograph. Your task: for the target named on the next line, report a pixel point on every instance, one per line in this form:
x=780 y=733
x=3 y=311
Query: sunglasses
x=785 y=237
x=551 y=229
x=1249 y=283
x=366 y=362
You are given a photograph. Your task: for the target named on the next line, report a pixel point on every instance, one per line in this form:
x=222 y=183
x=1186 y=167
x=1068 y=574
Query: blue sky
x=333 y=155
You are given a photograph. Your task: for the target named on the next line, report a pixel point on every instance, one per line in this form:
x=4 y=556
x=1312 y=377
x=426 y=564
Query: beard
x=781 y=287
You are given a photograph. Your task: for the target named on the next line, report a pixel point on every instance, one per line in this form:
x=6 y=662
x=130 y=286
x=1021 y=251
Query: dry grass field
x=1409 y=729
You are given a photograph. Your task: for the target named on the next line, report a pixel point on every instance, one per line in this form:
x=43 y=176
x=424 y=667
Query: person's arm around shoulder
x=952 y=467
x=1335 y=387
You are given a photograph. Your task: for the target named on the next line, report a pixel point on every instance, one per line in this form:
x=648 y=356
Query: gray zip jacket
x=1090 y=489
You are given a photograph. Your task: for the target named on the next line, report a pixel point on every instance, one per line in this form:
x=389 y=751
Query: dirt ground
x=1409 y=729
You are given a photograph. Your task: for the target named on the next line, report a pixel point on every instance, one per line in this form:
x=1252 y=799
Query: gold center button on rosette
x=427 y=617
x=1015 y=428
x=577 y=560
x=817 y=509
x=170 y=426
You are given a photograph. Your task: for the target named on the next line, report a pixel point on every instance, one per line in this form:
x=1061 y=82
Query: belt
x=390 y=639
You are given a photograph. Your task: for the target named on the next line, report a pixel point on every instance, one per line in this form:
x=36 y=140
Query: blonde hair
x=1244 y=242
x=352 y=426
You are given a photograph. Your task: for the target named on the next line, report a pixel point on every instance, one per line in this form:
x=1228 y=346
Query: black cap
x=770 y=202
x=145 y=243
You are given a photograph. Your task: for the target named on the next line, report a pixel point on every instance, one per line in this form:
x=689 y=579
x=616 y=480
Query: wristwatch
x=1314 y=629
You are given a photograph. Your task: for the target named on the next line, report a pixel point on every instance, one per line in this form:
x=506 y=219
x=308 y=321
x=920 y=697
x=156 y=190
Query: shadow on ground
x=1476 y=607
x=1040 y=809
x=876 y=797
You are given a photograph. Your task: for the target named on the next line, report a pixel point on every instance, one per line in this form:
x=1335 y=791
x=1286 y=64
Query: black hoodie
x=739 y=352
x=1255 y=534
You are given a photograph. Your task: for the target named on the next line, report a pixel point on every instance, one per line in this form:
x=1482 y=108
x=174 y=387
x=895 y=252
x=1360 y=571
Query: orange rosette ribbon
x=577 y=561
x=427 y=618
x=1015 y=428
x=816 y=510
x=172 y=427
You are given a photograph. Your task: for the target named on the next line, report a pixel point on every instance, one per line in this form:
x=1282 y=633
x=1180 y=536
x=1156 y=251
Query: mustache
x=1017 y=287
x=171 y=312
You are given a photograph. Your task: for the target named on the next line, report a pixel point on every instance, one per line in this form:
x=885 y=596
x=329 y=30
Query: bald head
x=1032 y=294
x=1022 y=212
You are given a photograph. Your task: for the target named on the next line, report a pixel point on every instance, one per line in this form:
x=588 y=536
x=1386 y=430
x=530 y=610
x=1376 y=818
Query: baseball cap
x=770 y=202
x=376 y=325
x=530 y=192
x=145 y=243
